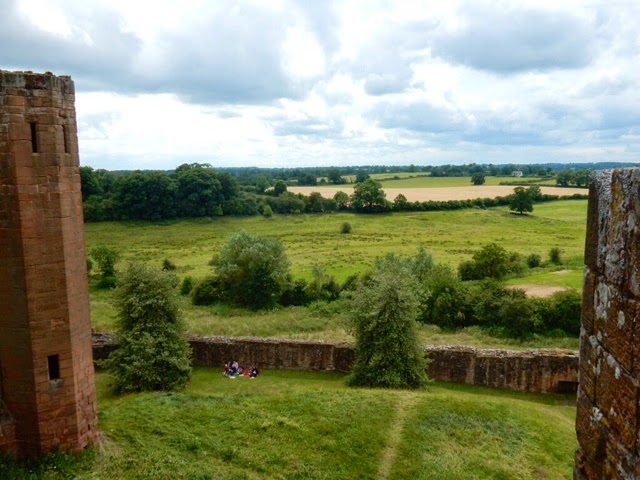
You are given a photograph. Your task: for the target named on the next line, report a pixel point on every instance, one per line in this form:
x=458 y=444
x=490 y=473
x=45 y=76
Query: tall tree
x=521 y=201
x=152 y=353
x=368 y=196
x=199 y=191
x=383 y=316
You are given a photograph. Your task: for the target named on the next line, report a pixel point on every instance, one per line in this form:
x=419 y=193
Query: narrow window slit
x=34 y=138
x=54 y=367
x=66 y=140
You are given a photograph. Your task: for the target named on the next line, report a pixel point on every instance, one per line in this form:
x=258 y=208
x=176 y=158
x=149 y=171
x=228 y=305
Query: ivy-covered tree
x=383 y=315
x=152 y=353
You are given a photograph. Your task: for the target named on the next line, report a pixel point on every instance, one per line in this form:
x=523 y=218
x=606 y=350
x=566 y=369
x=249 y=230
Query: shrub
x=534 y=260
x=106 y=283
x=186 y=286
x=106 y=259
x=561 y=310
x=168 y=265
x=345 y=227
x=295 y=293
x=383 y=314
x=89 y=266
x=252 y=270
x=554 y=256
x=207 y=292
x=267 y=212
x=322 y=287
x=491 y=261
x=152 y=353
x=467 y=270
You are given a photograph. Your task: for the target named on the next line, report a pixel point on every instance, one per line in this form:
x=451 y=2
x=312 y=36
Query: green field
x=435 y=182
x=450 y=236
x=418 y=180
x=286 y=425
x=311 y=240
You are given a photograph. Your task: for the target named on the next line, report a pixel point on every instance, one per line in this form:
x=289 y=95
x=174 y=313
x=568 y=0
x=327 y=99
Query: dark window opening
x=34 y=138
x=64 y=136
x=54 y=367
x=567 y=387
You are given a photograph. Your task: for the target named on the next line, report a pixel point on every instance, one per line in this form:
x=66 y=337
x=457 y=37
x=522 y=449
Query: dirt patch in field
x=440 y=193
x=538 y=290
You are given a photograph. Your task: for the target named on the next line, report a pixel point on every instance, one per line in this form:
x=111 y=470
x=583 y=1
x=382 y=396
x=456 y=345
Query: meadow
x=421 y=180
x=315 y=240
x=286 y=425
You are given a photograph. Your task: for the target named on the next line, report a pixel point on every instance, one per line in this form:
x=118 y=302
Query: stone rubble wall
x=536 y=371
x=607 y=419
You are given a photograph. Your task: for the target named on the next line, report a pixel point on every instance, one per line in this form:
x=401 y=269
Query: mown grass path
x=405 y=407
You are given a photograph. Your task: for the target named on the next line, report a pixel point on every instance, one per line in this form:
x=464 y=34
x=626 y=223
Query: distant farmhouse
x=516 y=173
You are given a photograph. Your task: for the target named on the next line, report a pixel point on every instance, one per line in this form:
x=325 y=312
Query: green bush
x=322 y=287
x=554 y=256
x=107 y=283
x=186 y=286
x=252 y=270
x=345 y=228
x=89 y=266
x=106 y=259
x=467 y=270
x=168 y=265
x=561 y=311
x=207 y=292
x=295 y=293
x=534 y=260
x=152 y=353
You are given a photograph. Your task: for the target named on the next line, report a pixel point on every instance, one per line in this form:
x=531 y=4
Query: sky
x=356 y=82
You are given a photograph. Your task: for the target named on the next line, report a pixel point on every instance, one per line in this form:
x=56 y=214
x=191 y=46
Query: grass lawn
x=286 y=425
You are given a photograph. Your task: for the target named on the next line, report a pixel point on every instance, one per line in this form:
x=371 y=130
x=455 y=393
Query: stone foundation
x=536 y=371
x=607 y=422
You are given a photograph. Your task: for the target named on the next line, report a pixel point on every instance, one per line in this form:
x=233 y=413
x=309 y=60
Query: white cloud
x=360 y=81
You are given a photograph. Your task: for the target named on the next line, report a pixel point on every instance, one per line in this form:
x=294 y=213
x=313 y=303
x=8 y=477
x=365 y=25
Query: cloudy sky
x=312 y=82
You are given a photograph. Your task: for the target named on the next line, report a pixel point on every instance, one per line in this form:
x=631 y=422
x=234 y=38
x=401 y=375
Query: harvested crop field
x=441 y=194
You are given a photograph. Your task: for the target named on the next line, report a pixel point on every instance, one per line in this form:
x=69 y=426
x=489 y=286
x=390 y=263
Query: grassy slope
x=309 y=425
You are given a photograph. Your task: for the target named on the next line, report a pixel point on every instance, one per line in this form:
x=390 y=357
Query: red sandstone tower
x=47 y=390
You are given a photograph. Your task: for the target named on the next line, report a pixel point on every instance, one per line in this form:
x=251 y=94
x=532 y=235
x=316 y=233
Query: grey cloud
x=512 y=40
x=309 y=127
x=24 y=46
x=233 y=57
x=418 y=117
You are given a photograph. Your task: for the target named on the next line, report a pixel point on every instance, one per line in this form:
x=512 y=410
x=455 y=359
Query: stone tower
x=47 y=390
x=608 y=417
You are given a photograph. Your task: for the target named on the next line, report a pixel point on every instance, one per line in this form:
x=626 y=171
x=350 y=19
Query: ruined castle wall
x=45 y=347
x=609 y=392
x=540 y=371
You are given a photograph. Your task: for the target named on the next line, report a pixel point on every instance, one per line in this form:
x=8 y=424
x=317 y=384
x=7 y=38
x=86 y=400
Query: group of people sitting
x=233 y=370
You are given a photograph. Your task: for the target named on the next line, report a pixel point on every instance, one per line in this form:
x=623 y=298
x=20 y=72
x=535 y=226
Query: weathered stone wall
x=607 y=420
x=44 y=302
x=541 y=371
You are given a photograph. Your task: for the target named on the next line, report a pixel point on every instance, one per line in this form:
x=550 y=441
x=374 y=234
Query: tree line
x=195 y=190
